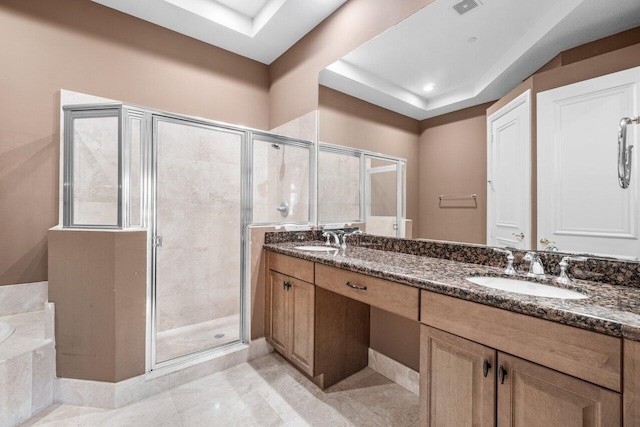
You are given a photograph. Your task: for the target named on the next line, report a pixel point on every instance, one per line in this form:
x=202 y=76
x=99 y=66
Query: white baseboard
x=106 y=395
x=395 y=371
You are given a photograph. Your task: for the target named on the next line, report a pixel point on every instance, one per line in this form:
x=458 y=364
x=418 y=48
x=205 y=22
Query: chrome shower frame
x=148 y=152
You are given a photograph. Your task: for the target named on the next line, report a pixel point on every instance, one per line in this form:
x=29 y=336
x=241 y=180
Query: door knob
x=519 y=235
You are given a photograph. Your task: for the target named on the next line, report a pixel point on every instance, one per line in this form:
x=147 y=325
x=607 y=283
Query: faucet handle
x=509 y=269
x=352 y=233
x=328 y=236
x=564 y=277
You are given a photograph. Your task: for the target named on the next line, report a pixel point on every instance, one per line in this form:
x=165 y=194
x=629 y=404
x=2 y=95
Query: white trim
x=400 y=374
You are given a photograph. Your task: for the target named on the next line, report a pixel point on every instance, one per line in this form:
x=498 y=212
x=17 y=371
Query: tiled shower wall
x=198 y=271
x=280 y=175
x=338 y=187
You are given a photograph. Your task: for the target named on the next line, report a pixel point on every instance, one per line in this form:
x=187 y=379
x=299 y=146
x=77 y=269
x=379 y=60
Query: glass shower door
x=198 y=238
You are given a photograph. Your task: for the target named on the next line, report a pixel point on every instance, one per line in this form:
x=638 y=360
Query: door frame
x=522 y=99
x=244 y=327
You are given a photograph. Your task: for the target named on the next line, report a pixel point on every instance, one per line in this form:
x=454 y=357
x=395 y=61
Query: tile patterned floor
x=200 y=336
x=264 y=392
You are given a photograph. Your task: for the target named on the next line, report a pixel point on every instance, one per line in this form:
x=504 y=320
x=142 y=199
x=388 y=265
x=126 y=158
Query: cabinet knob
x=286 y=285
x=486 y=366
x=502 y=373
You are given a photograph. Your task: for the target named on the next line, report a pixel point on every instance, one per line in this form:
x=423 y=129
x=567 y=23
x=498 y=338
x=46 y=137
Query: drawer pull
x=485 y=367
x=501 y=374
x=357 y=288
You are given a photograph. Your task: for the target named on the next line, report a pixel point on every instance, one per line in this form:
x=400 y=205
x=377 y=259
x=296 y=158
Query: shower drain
x=218 y=336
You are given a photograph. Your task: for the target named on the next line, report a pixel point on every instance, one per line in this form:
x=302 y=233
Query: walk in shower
x=194 y=185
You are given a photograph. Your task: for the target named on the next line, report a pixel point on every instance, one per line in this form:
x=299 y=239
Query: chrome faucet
x=337 y=236
x=563 y=277
x=509 y=268
x=536 y=269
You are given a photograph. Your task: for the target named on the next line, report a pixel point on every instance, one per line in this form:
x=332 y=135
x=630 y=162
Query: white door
x=581 y=206
x=509 y=174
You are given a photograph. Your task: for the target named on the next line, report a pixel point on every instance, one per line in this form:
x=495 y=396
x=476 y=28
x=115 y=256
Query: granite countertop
x=610 y=309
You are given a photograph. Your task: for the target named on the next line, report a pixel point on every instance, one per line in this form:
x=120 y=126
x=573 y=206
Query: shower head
x=276 y=146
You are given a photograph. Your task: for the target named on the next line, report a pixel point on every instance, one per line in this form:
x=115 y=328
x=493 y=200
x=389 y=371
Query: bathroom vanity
x=487 y=357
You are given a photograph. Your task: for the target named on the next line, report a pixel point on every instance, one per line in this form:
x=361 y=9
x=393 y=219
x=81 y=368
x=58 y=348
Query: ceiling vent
x=465 y=6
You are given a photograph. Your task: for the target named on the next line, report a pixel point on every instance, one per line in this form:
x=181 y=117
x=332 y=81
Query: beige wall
x=453 y=161
x=294 y=75
x=98 y=283
x=82 y=46
x=348 y=121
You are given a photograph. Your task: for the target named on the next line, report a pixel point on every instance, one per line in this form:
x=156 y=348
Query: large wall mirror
x=453 y=65
x=362 y=188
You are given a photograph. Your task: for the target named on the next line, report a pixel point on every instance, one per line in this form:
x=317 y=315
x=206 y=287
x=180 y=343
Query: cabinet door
x=301 y=316
x=278 y=312
x=533 y=396
x=454 y=390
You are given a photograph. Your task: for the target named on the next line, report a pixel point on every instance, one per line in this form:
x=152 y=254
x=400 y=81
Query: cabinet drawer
x=294 y=267
x=390 y=296
x=584 y=354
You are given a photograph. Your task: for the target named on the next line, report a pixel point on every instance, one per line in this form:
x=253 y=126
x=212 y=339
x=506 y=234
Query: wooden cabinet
x=292 y=319
x=631 y=394
x=457 y=381
x=390 y=296
x=279 y=311
x=302 y=328
x=323 y=334
x=533 y=396
x=588 y=355
x=463 y=383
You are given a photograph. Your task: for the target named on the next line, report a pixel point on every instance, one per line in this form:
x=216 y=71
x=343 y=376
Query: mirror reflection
x=524 y=114
x=362 y=188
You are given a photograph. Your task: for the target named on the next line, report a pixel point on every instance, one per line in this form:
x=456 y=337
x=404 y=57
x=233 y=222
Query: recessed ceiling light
x=472 y=39
x=429 y=87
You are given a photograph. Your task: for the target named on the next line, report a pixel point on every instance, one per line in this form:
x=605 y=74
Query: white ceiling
x=514 y=38
x=258 y=29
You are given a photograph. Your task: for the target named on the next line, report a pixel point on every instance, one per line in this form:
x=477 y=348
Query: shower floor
x=197 y=337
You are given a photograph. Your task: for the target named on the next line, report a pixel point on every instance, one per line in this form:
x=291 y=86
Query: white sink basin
x=316 y=248
x=525 y=287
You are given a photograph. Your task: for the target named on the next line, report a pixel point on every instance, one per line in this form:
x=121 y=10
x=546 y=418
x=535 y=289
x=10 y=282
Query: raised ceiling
x=471 y=58
x=258 y=29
